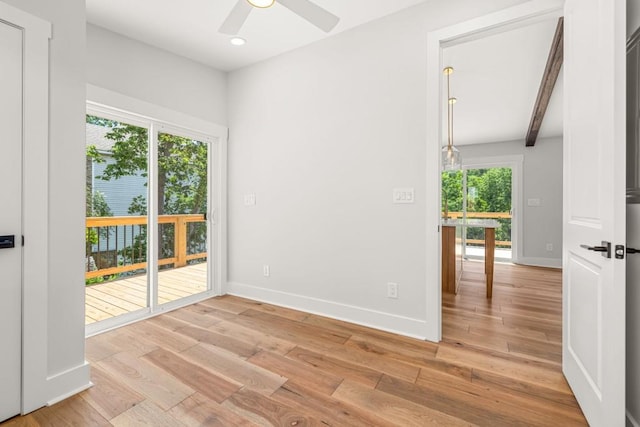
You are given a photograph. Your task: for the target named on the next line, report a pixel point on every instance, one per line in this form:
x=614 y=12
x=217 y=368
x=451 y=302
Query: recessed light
x=237 y=41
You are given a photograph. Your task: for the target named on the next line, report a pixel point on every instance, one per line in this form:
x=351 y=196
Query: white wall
x=147 y=73
x=541 y=179
x=65 y=183
x=322 y=135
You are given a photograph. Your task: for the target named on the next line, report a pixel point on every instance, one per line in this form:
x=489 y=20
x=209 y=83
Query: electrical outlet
x=392 y=290
x=549 y=247
x=266 y=271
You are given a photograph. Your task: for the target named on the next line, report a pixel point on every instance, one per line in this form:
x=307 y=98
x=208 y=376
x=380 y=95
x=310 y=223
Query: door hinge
x=22 y=240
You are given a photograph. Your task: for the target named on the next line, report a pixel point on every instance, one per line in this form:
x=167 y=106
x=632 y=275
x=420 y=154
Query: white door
x=10 y=219
x=594 y=207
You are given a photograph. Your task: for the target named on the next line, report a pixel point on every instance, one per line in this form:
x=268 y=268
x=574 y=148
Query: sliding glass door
x=481 y=193
x=183 y=196
x=148 y=228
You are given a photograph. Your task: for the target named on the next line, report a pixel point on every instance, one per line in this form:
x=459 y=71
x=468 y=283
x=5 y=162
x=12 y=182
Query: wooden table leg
x=448 y=259
x=489 y=256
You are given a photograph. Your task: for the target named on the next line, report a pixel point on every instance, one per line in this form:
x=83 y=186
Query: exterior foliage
x=488 y=190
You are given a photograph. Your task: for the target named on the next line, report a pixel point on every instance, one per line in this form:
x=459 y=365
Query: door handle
x=605 y=248
x=7 y=242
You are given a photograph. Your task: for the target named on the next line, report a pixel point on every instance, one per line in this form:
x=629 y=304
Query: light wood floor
x=234 y=362
x=106 y=300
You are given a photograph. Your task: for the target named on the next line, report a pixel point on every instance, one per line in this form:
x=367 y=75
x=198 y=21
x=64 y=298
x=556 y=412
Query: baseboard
x=632 y=422
x=67 y=383
x=540 y=262
x=401 y=325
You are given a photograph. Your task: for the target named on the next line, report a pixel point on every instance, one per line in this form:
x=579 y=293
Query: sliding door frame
x=155 y=119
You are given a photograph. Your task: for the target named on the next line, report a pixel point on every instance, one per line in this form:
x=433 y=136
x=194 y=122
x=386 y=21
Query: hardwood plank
x=392 y=409
x=312 y=376
x=228 y=343
x=265 y=411
x=356 y=359
x=344 y=369
x=198 y=410
x=416 y=355
x=238 y=370
x=145 y=414
x=154 y=383
x=474 y=404
x=162 y=337
x=211 y=385
x=295 y=329
x=326 y=409
x=261 y=340
x=504 y=365
x=287 y=313
x=491 y=380
x=109 y=396
x=26 y=421
x=193 y=318
x=74 y=411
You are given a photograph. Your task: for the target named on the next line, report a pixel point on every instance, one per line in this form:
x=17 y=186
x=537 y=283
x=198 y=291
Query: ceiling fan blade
x=236 y=18
x=313 y=13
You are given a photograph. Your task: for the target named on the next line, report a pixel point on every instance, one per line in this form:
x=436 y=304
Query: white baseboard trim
x=65 y=384
x=401 y=325
x=540 y=262
x=632 y=421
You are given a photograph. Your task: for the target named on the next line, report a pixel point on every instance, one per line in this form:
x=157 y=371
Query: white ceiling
x=496 y=77
x=190 y=27
x=496 y=81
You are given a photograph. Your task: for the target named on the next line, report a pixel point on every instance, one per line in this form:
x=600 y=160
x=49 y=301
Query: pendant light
x=262 y=4
x=451 y=159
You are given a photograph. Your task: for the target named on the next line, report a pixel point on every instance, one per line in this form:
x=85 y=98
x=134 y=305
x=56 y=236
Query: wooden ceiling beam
x=549 y=78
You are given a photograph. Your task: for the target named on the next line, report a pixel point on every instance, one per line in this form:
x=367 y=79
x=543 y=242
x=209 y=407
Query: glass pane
x=182 y=205
x=116 y=228
x=489 y=197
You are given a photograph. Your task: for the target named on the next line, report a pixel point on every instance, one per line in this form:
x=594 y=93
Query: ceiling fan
x=313 y=13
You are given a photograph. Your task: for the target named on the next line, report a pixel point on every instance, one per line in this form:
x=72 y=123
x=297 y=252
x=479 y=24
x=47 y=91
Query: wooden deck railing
x=180 y=240
x=482 y=215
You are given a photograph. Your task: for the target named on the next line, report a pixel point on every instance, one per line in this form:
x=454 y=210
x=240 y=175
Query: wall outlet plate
x=392 y=290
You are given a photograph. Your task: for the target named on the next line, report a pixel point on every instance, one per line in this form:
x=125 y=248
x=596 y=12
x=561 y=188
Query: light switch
x=533 y=202
x=403 y=195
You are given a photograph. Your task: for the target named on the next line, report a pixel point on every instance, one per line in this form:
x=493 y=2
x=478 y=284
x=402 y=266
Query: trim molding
x=401 y=325
x=68 y=383
x=540 y=262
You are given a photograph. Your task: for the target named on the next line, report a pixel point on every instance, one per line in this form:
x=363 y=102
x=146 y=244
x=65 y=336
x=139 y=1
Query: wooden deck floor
x=110 y=299
x=229 y=361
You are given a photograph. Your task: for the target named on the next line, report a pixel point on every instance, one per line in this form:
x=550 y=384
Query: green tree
x=181 y=179
x=182 y=167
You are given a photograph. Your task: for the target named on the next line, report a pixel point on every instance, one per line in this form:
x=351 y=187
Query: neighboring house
x=118 y=193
